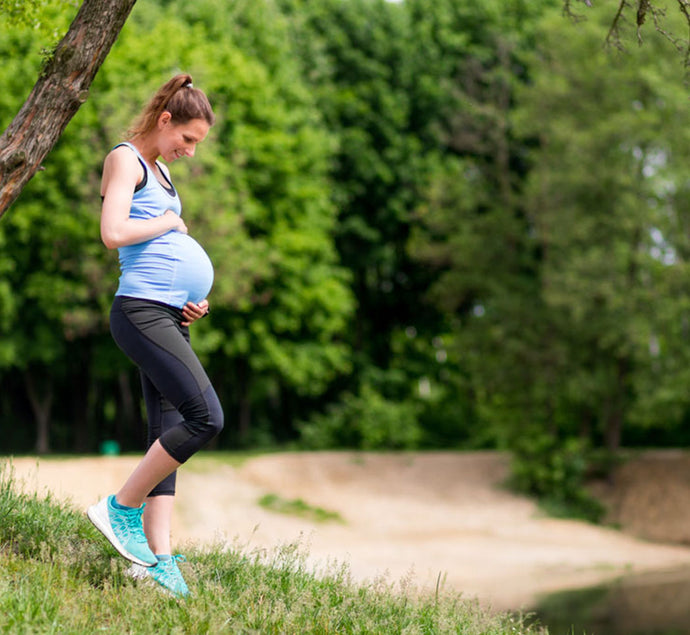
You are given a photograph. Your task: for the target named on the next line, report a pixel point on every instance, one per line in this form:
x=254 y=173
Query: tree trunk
x=40 y=392
x=620 y=400
x=244 y=399
x=60 y=90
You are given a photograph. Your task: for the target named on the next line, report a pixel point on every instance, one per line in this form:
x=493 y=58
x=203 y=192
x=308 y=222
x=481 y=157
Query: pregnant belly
x=194 y=270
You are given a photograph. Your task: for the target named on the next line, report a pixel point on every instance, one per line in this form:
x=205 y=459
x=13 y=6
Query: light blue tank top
x=172 y=268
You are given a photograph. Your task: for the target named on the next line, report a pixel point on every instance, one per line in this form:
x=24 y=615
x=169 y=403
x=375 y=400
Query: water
x=645 y=604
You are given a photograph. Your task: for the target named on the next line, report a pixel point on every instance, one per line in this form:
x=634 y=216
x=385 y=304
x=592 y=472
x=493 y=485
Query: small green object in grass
x=297 y=507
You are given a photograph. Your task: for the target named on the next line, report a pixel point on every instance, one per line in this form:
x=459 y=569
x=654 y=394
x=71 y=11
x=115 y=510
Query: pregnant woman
x=165 y=278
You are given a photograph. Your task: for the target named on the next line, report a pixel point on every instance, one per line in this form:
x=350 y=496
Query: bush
x=554 y=471
x=367 y=421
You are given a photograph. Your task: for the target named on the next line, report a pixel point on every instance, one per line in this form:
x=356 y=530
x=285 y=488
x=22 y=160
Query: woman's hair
x=180 y=99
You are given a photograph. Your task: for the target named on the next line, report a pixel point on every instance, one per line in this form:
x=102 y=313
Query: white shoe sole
x=137 y=572
x=98 y=515
x=142 y=575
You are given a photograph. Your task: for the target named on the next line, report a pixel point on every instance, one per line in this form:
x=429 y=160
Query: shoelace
x=171 y=563
x=170 y=574
x=128 y=521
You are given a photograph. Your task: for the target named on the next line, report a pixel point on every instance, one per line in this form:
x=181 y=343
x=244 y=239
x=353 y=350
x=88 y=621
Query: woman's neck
x=147 y=148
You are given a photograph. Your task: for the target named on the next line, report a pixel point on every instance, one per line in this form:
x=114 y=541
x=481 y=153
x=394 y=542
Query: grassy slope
x=58 y=575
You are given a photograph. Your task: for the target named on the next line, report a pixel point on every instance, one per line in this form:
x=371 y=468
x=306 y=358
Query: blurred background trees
x=434 y=224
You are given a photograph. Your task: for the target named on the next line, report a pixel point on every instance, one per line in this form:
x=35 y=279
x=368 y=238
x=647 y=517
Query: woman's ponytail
x=181 y=99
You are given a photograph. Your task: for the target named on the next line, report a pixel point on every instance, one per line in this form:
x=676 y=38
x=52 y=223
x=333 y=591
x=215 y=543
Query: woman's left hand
x=192 y=312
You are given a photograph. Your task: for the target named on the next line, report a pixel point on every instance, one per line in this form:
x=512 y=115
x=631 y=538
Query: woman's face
x=180 y=140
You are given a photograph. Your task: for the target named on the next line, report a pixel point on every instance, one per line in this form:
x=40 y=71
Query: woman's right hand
x=178 y=223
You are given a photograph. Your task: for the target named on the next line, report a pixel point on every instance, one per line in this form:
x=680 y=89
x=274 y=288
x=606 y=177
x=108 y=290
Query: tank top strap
x=168 y=186
x=142 y=184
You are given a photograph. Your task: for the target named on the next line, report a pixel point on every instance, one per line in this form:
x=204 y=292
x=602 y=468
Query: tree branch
x=58 y=93
x=568 y=11
x=643 y=9
x=613 y=34
x=684 y=6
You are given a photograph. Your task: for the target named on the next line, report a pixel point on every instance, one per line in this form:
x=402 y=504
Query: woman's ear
x=164 y=119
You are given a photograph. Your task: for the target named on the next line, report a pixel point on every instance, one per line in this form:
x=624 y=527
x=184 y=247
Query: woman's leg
x=182 y=409
x=158 y=523
x=160 y=499
x=153 y=468
x=162 y=416
x=152 y=336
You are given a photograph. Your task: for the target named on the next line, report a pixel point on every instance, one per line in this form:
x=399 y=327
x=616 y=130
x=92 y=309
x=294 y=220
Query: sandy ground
x=413 y=517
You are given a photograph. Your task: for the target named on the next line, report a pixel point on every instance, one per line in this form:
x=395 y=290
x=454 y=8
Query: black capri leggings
x=183 y=410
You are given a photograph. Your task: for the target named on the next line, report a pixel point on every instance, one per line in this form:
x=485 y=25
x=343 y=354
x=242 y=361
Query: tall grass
x=58 y=575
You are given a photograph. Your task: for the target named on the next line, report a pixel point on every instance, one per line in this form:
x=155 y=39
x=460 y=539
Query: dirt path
x=413 y=515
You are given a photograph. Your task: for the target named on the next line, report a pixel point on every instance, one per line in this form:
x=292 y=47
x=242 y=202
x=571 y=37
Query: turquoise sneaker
x=168 y=575
x=123 y=529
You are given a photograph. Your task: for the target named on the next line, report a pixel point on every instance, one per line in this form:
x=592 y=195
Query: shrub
x=554 y=471
x=367 y=421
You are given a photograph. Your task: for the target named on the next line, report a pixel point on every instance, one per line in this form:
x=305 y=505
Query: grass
x=298 y=507
x=58 y=575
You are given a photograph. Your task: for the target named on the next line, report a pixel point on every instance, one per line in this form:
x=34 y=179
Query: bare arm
x=121 y=173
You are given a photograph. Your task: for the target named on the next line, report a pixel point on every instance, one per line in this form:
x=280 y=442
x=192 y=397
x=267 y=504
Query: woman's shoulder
x=123 y=165
x=123 y=152
x=124 y=157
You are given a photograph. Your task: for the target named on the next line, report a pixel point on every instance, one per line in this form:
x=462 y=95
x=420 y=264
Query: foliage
x=366 y=420
x=56 y=575
x=298 y=507
x=50 y=266
x=552 y=240
x=257 y=198
x=26 y=12
x=383 y=75
x=555 y=471
x=360 y=61
x=433 y=224
x=605 y=216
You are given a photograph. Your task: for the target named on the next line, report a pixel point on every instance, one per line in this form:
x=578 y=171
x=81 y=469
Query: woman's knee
x=216 y=419
x=203 y=415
